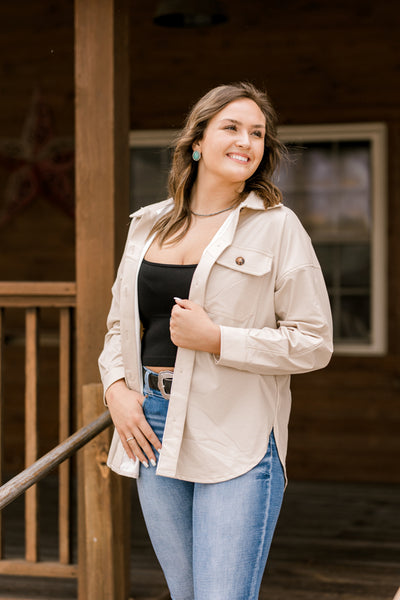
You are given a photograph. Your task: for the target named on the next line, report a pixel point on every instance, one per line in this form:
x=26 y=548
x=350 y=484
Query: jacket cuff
x=233 y=347
x=110 y=378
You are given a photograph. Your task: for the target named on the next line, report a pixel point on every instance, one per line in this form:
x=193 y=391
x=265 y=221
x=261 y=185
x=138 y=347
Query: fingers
x=134 y=431
x=184 y=323
x=125 y=441
x=151 y=436
x=142 y=449
x=140 y=442
x=179 y=310
x=191 y=327
x=183 y=303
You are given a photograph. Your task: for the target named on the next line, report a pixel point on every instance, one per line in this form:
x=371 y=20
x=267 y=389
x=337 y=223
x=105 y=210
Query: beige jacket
x=258 y=279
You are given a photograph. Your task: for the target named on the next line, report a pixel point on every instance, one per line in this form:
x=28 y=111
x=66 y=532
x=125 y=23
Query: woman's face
x=233 y=143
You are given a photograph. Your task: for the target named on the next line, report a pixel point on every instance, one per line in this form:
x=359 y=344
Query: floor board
x=333 y=541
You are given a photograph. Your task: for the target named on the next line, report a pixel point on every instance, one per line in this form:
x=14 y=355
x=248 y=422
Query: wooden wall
x=322 y=62
x=36 y=56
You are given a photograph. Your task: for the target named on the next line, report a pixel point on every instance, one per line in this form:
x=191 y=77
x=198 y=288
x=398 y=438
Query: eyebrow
x=239 y=123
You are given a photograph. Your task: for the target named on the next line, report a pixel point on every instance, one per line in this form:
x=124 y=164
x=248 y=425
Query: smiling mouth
x=239 y=158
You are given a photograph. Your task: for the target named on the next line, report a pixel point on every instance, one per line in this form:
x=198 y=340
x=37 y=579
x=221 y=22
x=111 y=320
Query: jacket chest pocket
x=236 y=281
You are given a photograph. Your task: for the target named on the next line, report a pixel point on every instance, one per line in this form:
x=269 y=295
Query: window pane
x=328 y=186
x=326 y=256
x=149 y=175
x=355 y=265
x=355 y=318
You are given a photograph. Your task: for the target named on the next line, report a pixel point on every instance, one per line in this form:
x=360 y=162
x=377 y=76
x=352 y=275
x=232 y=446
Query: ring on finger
x=130 y=438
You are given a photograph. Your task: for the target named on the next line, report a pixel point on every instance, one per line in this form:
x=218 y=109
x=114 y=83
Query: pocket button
x=240 y=261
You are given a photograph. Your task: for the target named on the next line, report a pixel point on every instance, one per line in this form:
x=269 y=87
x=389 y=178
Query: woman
x=226 y=286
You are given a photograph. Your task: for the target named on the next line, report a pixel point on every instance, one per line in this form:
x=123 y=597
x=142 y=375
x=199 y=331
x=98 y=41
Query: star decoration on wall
x=39 y=164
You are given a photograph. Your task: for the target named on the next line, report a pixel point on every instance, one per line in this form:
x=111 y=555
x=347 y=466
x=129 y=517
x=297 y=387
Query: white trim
x=147 y=138
x=376 y=134
x=379 y=241
x=142 y=138
x=330 y=132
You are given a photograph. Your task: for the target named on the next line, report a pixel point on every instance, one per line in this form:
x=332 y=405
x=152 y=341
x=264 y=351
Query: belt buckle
x=162 y=377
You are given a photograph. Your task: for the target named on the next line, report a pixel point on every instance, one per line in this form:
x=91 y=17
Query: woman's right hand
x=126 y=411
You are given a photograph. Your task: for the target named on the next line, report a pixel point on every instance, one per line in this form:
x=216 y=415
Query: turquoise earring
x=196 y=155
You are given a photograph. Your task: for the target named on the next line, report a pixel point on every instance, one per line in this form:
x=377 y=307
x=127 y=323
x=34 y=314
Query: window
x=335 y=182
x=150 y=162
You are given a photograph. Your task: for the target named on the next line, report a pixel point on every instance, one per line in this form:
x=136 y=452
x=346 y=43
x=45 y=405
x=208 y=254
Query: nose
x=243 y=139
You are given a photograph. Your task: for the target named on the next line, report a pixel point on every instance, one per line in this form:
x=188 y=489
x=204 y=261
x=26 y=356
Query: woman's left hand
x=191 y=327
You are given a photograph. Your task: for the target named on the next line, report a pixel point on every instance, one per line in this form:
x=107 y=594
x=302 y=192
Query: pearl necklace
x=212 y=214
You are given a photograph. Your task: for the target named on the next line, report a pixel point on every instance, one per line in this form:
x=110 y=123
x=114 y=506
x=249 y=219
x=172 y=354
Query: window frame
x=376 y=135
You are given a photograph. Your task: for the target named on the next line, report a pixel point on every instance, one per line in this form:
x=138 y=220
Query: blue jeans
x=211 y=539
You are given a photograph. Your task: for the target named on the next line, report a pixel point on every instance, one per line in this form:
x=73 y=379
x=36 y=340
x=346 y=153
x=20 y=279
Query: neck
x=211 y=198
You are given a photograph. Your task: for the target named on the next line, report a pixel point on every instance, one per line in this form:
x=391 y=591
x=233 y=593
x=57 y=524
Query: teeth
x=238 y=157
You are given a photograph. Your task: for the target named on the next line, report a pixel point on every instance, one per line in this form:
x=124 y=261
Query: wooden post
x=102 y=194
x=31 y=430
x=105 y=496
x=64 y=492
x=1 y=418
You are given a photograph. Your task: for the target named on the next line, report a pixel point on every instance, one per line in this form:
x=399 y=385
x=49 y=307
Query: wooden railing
x=19 y=484
x=33 y=298
x=103 y=501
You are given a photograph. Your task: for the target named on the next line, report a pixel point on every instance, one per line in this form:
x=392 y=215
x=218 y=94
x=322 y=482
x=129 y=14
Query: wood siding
x=321 y=63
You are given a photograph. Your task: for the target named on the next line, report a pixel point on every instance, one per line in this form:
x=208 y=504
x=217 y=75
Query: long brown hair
x=183 y=172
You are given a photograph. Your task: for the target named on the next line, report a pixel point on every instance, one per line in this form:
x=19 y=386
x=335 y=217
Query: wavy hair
x=174 y=225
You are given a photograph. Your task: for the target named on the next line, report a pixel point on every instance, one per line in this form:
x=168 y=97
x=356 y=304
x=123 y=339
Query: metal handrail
x=39 y=469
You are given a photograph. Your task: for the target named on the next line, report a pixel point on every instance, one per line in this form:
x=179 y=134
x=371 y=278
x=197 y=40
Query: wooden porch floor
x=333 y=541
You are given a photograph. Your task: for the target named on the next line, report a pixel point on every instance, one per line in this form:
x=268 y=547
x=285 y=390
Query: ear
x=196 y=146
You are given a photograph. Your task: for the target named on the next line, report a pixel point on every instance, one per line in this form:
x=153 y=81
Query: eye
x=231 y=127
x=258 y=133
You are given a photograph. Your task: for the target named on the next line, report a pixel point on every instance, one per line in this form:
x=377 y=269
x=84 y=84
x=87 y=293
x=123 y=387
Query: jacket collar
x=154 y=209
x=255 y=202
x=251 y=201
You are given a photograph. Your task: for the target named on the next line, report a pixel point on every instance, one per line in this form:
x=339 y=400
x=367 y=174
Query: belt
x=162 y=382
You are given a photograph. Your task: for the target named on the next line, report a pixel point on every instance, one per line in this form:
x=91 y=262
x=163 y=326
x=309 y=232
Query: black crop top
x=158 y=283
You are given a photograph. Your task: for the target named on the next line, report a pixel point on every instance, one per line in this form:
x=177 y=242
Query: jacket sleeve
x=302 y=338
x=111 y=364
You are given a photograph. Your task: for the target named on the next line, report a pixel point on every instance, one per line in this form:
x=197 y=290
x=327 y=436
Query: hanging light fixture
x=189 y=13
